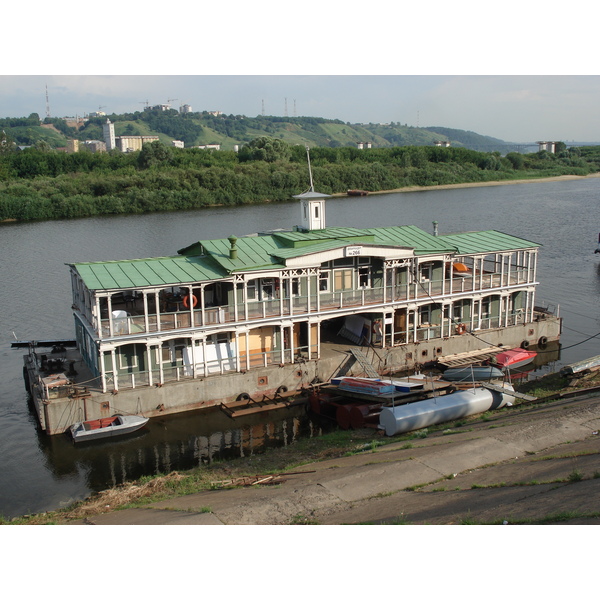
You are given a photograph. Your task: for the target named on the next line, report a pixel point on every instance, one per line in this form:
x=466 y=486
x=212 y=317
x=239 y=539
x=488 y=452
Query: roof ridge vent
x=233 y=250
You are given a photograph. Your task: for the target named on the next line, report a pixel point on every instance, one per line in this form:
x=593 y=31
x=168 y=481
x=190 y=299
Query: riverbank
x=544 y=450
x=537 y=465
x=452 y=186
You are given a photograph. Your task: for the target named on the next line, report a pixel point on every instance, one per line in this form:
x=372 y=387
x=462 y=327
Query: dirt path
x=534 y=465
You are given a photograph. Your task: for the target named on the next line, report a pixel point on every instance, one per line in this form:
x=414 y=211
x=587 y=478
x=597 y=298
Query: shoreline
x=451 y=186
x=412 y=188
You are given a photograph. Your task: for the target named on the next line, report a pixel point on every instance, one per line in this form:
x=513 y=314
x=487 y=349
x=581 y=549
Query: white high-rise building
x=109 y=134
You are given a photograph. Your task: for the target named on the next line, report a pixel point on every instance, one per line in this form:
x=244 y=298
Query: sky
x=520 y=72
x=511 y=108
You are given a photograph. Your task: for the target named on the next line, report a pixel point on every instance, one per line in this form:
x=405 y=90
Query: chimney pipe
x=233 y=250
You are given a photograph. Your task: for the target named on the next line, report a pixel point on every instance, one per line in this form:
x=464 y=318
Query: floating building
x=251 y=315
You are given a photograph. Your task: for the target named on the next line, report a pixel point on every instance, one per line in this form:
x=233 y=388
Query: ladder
x=499 y=388
x=363 y=361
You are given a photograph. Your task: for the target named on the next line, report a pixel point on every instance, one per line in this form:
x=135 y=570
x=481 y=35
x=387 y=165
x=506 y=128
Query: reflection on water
x=173 y=443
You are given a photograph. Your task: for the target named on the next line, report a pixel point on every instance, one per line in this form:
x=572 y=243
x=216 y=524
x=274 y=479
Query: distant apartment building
x=363 y=145
x=125 y=143
x=547 y=146
x=131 y=143
x=177 y=144
x=72 y=146
x=75 y=122
x=94 y=146
x=442 y=143
x=185 y=108
x=209 y=147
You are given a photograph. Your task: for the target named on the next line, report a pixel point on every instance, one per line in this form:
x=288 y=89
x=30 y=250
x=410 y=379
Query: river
x=40 y=473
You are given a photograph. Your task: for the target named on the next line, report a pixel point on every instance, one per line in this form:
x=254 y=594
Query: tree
x=154 y=153
x=43 y=146
x=517 y=160
x=267 y=149
x=6 y=143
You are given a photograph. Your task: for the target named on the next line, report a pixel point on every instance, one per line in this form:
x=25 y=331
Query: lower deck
x=78 y=396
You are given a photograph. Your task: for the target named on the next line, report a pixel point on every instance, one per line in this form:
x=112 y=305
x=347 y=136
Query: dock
x=468 y=358
x=251 y=406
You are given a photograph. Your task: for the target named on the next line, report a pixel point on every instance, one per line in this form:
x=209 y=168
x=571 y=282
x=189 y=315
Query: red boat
x=357 y=193
x=517 y=357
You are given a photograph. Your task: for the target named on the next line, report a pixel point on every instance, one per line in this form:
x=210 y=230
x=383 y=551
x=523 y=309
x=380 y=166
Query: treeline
x=42 y=185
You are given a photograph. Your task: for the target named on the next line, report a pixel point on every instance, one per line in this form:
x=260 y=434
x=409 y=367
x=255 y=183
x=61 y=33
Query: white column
x=103 y=372
x=157 y=305
x=149 y=361
x=113 y=358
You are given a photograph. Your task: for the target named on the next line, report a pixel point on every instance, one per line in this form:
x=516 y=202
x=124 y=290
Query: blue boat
x=472 y=373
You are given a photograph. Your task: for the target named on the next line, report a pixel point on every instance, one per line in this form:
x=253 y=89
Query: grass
x=335 y=444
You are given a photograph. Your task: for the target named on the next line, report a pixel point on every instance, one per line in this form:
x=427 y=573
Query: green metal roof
x=210 y=259
x=150 y=272
x=252 y=253
x=297 y=239
x=409 y=236
x=477 y=242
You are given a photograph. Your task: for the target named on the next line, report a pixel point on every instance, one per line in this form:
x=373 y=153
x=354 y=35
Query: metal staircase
x=363 y=361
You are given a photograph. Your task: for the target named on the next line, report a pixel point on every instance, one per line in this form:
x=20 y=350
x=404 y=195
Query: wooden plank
x=466 y=358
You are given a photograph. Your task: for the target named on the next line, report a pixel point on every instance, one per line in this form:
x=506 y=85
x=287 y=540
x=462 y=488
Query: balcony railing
x=323 y=302
x=181 y=372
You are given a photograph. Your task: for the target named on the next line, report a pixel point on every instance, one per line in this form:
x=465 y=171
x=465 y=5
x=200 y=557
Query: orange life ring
x=461 y=328
x=186 y=301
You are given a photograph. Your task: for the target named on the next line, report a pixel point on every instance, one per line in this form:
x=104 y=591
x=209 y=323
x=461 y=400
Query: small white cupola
x=312 y=206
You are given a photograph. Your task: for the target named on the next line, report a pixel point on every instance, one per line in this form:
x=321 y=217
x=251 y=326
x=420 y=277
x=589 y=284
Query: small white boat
x=472 y=373
x=106 y=427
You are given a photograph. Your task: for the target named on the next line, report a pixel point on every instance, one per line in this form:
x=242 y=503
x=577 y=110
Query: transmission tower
x=286 y=114
x=47 y=104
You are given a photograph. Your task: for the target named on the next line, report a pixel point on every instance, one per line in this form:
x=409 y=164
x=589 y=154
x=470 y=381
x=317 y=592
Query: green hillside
x=203 y=128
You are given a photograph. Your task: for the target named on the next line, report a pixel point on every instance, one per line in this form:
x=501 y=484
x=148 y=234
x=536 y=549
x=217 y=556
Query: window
x=324 y=281
x=267 y=289
x=128 y=358
x=425 y=272
x=485 y=308
x=251 y=290
x=344 y=262
x=342 y=280
x=364 y=277
x=295 y=286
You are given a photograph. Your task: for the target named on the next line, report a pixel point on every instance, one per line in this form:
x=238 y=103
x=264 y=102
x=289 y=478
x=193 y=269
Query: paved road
x=520 y=466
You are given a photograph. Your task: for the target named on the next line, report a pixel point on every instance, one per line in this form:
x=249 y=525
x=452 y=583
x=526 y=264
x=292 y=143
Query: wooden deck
x=469 y=358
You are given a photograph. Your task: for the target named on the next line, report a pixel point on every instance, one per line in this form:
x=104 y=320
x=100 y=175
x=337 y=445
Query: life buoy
x=186 y=301
x=524 y=344
x=461 y=328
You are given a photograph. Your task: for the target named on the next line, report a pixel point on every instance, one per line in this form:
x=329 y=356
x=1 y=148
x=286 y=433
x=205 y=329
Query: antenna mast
x=312 y=189
x=47 y=103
